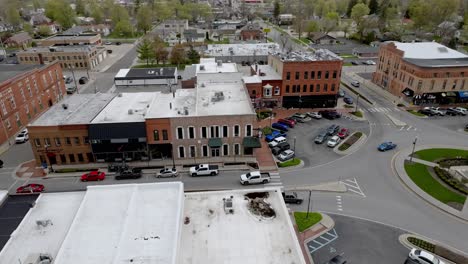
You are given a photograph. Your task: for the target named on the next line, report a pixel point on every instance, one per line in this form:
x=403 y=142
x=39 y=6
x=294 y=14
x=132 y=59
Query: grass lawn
x=303 y=223
x=306 y=40
x=223 y=41
x=289 y=163
x=415 y=113
x=348 y=56
x=421 y=177
x=270 y=40
x=438 y=153
x=358 y=113
x=347 y=64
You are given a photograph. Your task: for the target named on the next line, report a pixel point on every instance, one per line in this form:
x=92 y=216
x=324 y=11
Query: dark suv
x=320 y=138
x=129 y=174
x=333 y=129
x=330 y=114
x=280 y=148
x=427 y=112
x=291 y=198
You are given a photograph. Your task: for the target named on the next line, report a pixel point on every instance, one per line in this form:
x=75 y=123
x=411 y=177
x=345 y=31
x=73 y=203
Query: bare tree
x=284 y=39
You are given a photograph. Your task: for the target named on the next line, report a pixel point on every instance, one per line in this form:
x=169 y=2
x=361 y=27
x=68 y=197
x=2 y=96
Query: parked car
x=341 y=93
x=255 y=177
x=386 y=146
x=461 y=110
x=320 y=138
x=83 y=80
x=424 y=257
x=333 y=129
x=30 y=188
x=344 y=132
x=291 y=197
x=276 y=151
x=274 y=134
x=355 y=84
x=23 y=136
x=68 y=80
x=355 y=62
x=337 y=260
x=129 y=174
x=204 y=170
x=314 y=115
x=452 y=112
x=330 y=114
x=290 y=123
x=369 y=62
x=283 y=146
x=333 y=141
x=1 y=163
x=301 y=118
x=436 y=110
x=108 y=43
x=276 y=141
x=167 y=172
x=348 y=100
x=70 y=89
x=427 y=112
x=118 y=43
x=109 y=51
x=93 y=176
x=286 y=155
x=279 y=126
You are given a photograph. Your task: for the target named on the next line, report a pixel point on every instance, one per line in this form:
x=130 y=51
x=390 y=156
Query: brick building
x=20 y=40
x=26 y=91
x=296 y=80
x=425 y=72
x=76 y=56
x=71 y=39
x=206 y=65
x=245 y=54
x=251 y=31
x=213 y=122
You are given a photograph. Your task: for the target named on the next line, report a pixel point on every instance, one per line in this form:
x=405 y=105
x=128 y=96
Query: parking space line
x=333 y=236
x=353 y=186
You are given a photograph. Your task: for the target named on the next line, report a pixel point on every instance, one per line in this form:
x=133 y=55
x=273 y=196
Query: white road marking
x=353 y=186
x=333 y=236
x=402 y=128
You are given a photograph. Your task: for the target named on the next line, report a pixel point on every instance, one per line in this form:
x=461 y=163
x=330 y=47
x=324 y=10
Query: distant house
x=251 y=31
x=5 y=27
x=323 y=38
x=366 y=52
x=20 y=40
x=173 y=25
x=194 y=35
x=39 y=19
x=102 y=29
x=85 y=20
x=286 y=19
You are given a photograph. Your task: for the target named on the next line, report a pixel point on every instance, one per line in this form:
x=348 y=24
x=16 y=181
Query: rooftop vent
x=202 y=84
x=186 y=112
x=228 y=205
x=65 y=106
x=442 y=49
x=218 y=96
x=130 y=111
x=120 y=95
x=202 y=67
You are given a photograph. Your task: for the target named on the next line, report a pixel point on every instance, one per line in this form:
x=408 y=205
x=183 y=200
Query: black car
x=427 y=112
x=118 y=43
x=337 y=260
x=329 y=114
x=129 y=174
x=109 y=51
x=83 y=80
x=283 y=146
x=291 y=198
x=320 y=138
x=276 y=151
x=333 y=129
x=68 y=80
x=355 y=63
x=452 y=112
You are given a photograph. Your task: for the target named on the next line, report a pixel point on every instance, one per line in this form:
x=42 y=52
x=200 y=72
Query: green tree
x=373 y=6
x=358 y=14
x=312 y=26
x=80 y=7
x=160 y=52
x=12 y=15
x=145 y=51
x=276 y=10
x=95 y=11
x=178 y=55
x=351 y=4
x=193 y=56
x=346 y=28
x=144 y=19
x=61 y=12
x=44 y=31
x=28 y=28
x=163 y=11
x=119 y=13
x=137 y=6
x=123 y=28
x=330 y=22
x=36 y=4
x=427 y=14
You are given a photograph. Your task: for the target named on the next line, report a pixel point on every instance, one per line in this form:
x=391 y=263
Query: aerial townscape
x=233 y=131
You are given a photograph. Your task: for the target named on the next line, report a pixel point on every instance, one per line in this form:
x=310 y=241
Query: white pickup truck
x=255 y=177
x=204 y=170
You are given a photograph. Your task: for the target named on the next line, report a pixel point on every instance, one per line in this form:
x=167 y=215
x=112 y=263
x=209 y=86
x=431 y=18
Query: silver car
x=22 y=137
x=167 y=172
x=286 y=155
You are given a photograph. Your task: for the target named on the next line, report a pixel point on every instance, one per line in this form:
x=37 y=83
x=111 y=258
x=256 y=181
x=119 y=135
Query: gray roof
x=435 y=63
x=80 y=109
x=8 y=71
x=20 y=37
x=148 y=73
x=189 y=72
x=320 y=35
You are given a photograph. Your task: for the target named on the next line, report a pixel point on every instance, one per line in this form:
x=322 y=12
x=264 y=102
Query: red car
x=344 y=132
x=30 y=188
x=288 y=122
x=93 y=176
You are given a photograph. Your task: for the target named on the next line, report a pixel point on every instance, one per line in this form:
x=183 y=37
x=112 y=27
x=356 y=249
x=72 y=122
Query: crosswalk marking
x=381 y=109
x=353 y=186
x=275 y=180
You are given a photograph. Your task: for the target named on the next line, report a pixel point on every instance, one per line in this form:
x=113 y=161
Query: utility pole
x=308 y=204
x=74 y=79
x=357 y=101
x=414 y=146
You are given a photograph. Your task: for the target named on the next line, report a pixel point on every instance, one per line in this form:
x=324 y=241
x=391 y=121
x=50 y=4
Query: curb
x=327 y=228
x=404 y=241
x=353 y=147
x=291 y=168
x=395 y=121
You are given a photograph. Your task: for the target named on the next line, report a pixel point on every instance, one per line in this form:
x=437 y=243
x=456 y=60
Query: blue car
x=387 y=146
x=348 y=100
x=274 y=135
x=280 y=127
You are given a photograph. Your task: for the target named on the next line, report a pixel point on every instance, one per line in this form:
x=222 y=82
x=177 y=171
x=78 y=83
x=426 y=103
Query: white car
x=333 y=141
x=167 y=172
x=314 y=115
x=355 y=83
x=276 y=141
x=369 y=62
x=461 y=109
x=424 y=257
x=22 y=137
x=286 y=155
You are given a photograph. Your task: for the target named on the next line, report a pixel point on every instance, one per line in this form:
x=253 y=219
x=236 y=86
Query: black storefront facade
x=310 y=101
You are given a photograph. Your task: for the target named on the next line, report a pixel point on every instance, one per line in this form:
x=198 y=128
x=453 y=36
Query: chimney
x=170 y=105
x=256 y=67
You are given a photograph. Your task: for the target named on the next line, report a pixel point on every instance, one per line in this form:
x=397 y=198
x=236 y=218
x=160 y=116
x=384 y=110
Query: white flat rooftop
x=209 y=65
x=201 y=101
x=29 y=238
x=428 y=50
x=126 y=107
x=266 y=72
x=209 y=235
x=252 y=79
x=244 y=49
x=80 y=109
x=126 y=223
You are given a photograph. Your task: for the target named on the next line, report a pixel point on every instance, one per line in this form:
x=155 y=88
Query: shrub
x=358 y=113
x=350 y=141
x=289 y=163
x=449 y=180
x=400 y=105
x=422 y=244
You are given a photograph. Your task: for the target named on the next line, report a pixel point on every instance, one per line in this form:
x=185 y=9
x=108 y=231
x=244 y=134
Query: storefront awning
x=215 y=142
x=463 y=94
x=251 y=142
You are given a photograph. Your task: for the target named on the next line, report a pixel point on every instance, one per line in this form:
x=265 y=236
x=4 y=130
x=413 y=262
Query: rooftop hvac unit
x=218 y=96
x=130 y=111
x=228 y=205
x=120 y=95
x=202 y=67
x=186 y=112
x=65 y=106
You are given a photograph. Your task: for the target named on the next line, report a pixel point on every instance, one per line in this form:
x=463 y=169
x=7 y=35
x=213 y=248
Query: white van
x=276 y=141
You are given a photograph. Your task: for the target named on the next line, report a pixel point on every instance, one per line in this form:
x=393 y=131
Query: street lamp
x=294 y=144
x=357 y=101
x=308 y=205
x=414 y=146
x=173 y=160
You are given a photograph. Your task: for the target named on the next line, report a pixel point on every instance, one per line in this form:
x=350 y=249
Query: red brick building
x=425 y=72
x=251 y=31
x=296 y=80
x=26 y=91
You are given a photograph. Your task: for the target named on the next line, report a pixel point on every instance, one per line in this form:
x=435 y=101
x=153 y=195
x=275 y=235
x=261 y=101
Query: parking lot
x=455 y=123
x=301 y=139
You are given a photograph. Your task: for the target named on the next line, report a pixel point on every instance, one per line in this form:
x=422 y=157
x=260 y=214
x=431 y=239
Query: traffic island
x=417 y=114
x=449 y=255
x=351 y=144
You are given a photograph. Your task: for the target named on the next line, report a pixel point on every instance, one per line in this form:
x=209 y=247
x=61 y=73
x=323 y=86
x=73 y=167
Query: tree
x=160 y=52
x=61 y=12
x=119 y=13
x=137 y=6
x=311 y=27
x=145 y=51
x=96 y=12
x=284 y=39
x=27 y=27
x=276 y=10
x=79 y=7
x=178 y=55
x=358 y=13
x=123 y=28
x=193 y=56
x=144 y=19
x=373 y=6
x=330 y=22
x=351 y=4
x=346 y=28
x=44 y=31
x=427 y=14
x=13 y=16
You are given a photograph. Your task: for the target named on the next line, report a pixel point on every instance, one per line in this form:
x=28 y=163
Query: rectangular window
x=72 y=158
x=317 y=88
x=37 y=142
x=225 y=131
x=311 y=88
x=80 y=157
x=155 y=135
x=13 y=103
x=334 y=74
x=67 y=141
x=76 y=140
x=327 y=74
x=63 y=158
x=191 y=131
x=205 y=150
x=193 y=152
x=288 y=76
x=57 y=142
x=306 y=75
x=204 y=132
x=214 y=131
x=454 y=84
x=47 y=142
x=304 y=88
x=181 y=152
x=225 y=150
x=287 y=88
x=248 y=131
x=236 y=130
x=312 y=75
x=325 y=87
x=86 y=140
x=4 y=108
x=297 y=75
x=319 y=75
x=180 y=133
x=419 y=84
x=165 y=135
x=333 y=87
x=236 y=149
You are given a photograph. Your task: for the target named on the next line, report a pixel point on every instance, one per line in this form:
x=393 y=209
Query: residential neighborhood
x=240 y=131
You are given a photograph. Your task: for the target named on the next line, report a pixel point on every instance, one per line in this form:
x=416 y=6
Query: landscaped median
x=303 y=221
x=289 y=163
x=350 y=141
x=416 y=113
x=438 y=249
